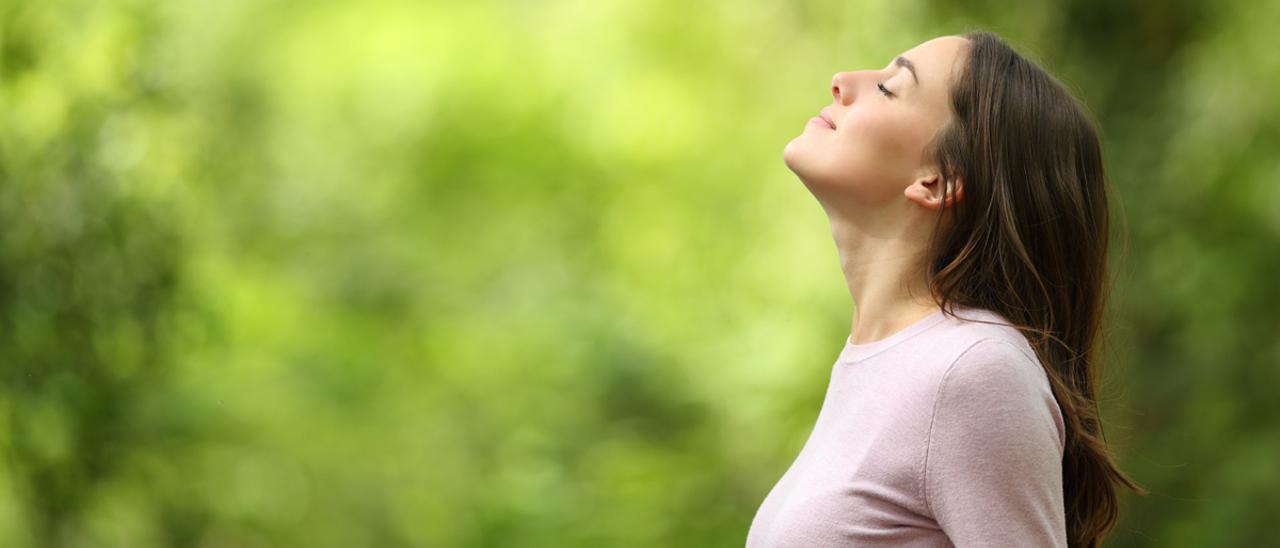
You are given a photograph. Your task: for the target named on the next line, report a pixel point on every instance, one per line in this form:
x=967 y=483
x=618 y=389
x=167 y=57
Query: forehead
x=937 y=60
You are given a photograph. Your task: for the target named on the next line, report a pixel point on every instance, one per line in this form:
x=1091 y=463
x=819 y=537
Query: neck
x=884 y=271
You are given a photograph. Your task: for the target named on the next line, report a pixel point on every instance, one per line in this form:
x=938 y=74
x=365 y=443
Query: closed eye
x=884 y=90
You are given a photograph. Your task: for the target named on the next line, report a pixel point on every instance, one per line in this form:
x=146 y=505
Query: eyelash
x=884 y=90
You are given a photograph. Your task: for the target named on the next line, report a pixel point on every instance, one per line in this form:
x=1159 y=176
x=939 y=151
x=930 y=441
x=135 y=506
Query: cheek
x=874 y=154
x=882 y=145
x=871 y=158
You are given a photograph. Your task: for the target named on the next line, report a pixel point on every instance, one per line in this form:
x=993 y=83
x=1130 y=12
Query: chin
x=792 y=155
x=799 y=160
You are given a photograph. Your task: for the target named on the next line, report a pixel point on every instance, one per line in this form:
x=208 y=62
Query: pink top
x=942 y=434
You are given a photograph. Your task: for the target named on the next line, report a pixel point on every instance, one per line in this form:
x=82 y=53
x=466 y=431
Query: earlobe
x=926 y=198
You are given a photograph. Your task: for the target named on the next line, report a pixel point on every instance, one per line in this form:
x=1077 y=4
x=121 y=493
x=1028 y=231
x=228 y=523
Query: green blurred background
x=533 y=273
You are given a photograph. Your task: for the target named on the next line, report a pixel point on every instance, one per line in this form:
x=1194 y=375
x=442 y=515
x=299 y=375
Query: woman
x=966 y=195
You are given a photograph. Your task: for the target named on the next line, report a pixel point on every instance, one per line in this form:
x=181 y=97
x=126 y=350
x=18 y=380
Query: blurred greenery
x=404 y=273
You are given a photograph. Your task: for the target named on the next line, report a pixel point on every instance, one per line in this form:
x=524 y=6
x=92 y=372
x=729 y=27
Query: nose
x=842 y=88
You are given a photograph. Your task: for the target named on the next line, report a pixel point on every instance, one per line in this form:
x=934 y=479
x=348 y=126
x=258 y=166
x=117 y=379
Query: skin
x=879 y=192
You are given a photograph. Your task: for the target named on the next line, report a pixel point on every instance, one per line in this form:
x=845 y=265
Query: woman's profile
x=967 y=198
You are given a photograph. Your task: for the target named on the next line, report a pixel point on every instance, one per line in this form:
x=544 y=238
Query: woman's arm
x=993 y=465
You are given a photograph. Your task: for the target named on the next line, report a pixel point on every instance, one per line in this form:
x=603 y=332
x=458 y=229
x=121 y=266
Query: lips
x=827 y=118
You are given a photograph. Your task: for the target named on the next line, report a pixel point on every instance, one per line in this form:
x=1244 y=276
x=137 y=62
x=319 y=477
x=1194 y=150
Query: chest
x=859 y=476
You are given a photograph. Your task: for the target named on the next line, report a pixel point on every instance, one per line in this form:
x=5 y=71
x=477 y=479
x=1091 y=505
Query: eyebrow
x=907 y=64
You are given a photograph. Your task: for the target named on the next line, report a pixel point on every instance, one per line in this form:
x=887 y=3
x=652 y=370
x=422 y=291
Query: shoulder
x=987 y=366
x=974 y=337
x=989 y=348
x=992 y=365
x=994 y=380
x=971 y=325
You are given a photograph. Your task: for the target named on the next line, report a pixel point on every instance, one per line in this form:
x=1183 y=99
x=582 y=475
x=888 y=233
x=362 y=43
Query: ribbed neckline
x=858 y=352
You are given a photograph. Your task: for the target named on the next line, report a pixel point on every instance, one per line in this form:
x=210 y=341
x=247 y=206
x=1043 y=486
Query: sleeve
x=993 y=462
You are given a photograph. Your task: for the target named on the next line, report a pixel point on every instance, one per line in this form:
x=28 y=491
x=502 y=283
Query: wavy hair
x=1029 y=241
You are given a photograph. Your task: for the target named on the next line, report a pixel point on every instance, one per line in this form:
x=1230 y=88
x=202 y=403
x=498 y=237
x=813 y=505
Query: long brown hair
x=1029 y=241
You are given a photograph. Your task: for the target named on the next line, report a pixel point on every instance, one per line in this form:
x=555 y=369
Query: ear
x=927 y=191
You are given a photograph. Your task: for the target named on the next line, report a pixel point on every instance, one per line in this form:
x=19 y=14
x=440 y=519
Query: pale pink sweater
x=942 y=434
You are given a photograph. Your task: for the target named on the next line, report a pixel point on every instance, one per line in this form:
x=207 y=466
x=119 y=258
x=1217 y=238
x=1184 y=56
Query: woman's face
x=876 y=150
